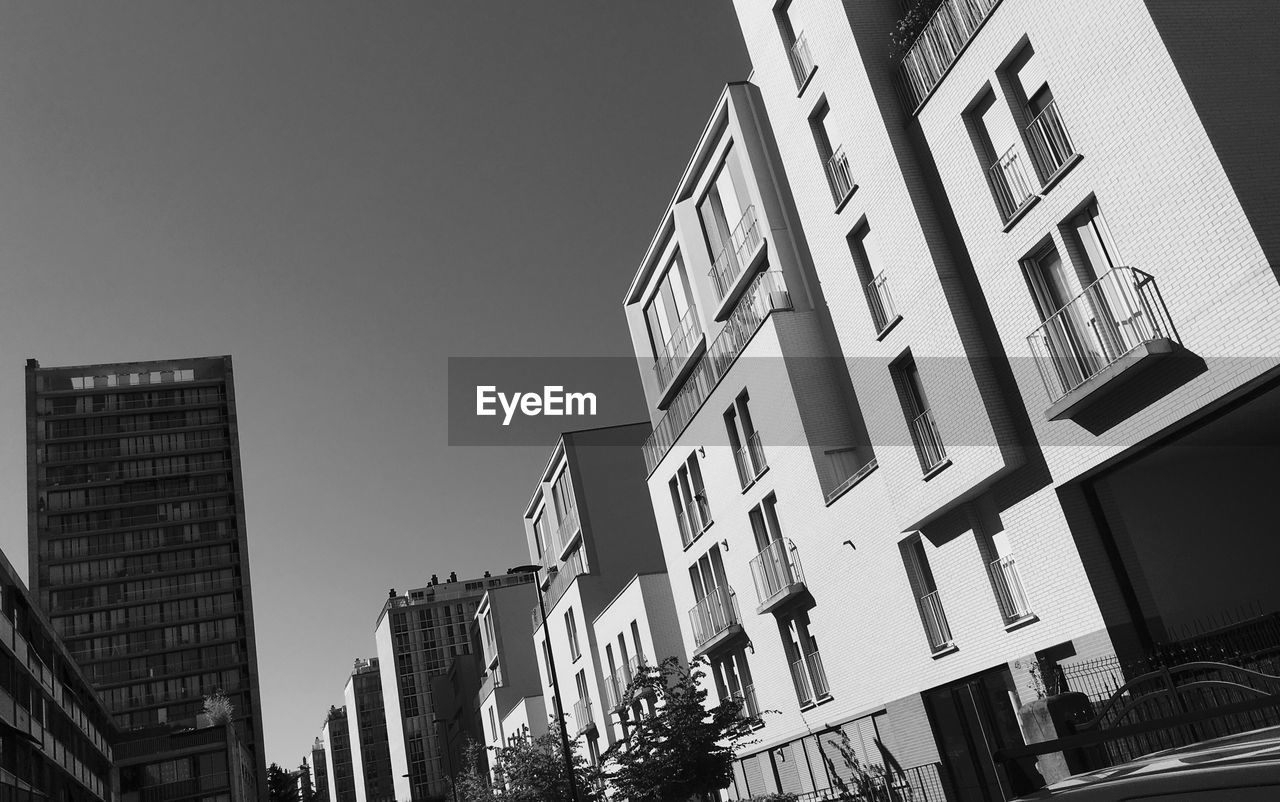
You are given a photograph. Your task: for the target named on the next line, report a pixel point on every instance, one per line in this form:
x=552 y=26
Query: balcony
x=619 y=683
x=937 y=47
x=766 y=294
x=677 y=350
x=736 y=259
x=1117 y=326
x=715 y=620
x=1051 y=147
x=750 y=461
x=1009 y=185
x=694 y=519
x=777 y=574
x=802 y=65
x=935 y=622
x=1009 y=593
x=583 y=715
x=567 y=532
x=883 y=314
x=928 y=442
x=810 y=679
x=848 y=469
x=839 y=176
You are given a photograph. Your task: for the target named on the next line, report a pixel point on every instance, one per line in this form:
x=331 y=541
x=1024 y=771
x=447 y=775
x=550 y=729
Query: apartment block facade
x=367 y=733
x=510 y=700
x=137 y=538
x=59 y=735
x=590 y=528
x=418 y=635
x=335 y=734
x=319 y=771
x=918 y=425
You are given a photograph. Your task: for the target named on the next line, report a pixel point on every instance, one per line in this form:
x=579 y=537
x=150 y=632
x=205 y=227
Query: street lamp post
x=448 y=758
x=555 y=681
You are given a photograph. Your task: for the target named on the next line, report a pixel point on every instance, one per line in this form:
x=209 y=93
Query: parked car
x=1244 y=767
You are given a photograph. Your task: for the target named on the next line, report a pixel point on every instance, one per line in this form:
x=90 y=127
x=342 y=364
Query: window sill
x=816 y=703
x=1021 y=213
x=808 y=79
x=1060 y=172
x=950 y=648
x=888 y=327
x=755 y=479
x=852 y=481
x=698 y=536
x=936 y=469
x=1019 y=623
x=845 y=200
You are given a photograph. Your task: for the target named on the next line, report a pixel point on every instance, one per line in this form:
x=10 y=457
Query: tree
x=219 y=708
x=473 y=783
x=684 y=749
x=306 y=791
x=533 y=770
x=282 y=786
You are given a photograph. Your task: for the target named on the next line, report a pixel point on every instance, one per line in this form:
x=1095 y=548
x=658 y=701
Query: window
x=925 y=589
x=672 y=319
x=540 y=533
x=834 y=161
x=807 y=674
x=995 y=137
x=748 y=453
x=802 y=65
x=635 y=638
x=707 y=574
x=915 y=404
x=1027 y=86
x=571 y=627
x=562 y=499
x=689 y=499
x=868 y=260
x=732 y=676
x=729 y=224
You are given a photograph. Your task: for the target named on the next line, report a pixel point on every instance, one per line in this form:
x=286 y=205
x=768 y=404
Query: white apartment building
x=638 y=627
x=510 y=699
x=589 y=525
x=952 y=363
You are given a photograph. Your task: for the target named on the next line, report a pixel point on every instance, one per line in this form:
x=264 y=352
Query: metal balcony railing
x=929 y=447
x=939 y=43
x=1009 y=184
x=881 y=302
x=935 y=621
x=775 y=569
x=847 y=469
x=1051 y=145
x=735 y=256
x=800 y=678
x=750 y=707
x=694 y=519
x=767 y=294
x=839 y=175
x=713 y=614
x=677 y=349
x=583 y=717
x=1115 y=314
x=802 y=65
x=1008 y=587
x=750 y=460
x=809 y=678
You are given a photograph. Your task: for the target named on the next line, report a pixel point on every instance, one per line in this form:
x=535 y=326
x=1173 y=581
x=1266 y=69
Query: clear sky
x=341 y=196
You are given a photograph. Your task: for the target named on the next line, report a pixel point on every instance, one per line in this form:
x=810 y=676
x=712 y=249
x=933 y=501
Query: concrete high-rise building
x=319 y=771
x=418 y=634
x=137 y=540
x=336 y=737
x=956 y=357
x=370 y=756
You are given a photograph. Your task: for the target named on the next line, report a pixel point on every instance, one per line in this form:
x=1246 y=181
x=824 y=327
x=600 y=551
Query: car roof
x=1254 y=749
